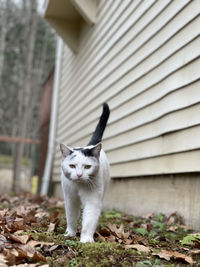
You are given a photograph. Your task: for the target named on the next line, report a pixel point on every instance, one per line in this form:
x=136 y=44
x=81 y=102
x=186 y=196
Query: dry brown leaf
x=138 y=247
x=41 y=214
x=118 y=231
x=3 y=212
x=100 y=237
x=53 y=248
x=3 y=261
x=148 y=216
x=20 y=252
x=195 y=252
x=23 y=239
x=18 y=224
x=30 y=253
x=10 y=258
x=51 y=227
x=128 y=241
x=173 y=228
x=111 y=238
x=171 y=218
x=167 y=255
x=163 y=254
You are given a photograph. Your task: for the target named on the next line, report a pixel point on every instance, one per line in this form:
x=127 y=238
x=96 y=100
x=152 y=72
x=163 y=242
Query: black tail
x=98 y=133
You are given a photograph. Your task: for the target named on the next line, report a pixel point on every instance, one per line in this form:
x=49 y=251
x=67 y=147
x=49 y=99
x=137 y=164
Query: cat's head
x=80 y=164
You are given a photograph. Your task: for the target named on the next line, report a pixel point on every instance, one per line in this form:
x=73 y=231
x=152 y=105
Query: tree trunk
x=26 y=95
x=3 y=23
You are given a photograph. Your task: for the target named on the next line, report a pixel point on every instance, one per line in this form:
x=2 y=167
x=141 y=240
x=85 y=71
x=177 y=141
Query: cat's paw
x=70 y=233
x=87 y=239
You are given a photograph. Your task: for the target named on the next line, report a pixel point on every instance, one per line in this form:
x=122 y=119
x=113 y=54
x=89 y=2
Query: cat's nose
x=79 y=175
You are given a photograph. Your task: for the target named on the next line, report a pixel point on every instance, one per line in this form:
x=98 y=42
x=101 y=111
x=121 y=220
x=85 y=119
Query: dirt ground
x=32 y=234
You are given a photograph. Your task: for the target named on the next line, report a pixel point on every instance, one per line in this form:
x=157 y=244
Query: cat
x=85 y=174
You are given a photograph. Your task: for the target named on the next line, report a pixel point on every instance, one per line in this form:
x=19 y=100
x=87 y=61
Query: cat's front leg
x=72 y=208
x=91 y=215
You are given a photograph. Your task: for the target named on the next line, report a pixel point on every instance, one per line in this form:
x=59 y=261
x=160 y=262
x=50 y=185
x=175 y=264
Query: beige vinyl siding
x=143 y=58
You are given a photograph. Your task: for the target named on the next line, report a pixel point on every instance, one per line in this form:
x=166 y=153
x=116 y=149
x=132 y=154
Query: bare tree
x=25 y=98
x=3 y=23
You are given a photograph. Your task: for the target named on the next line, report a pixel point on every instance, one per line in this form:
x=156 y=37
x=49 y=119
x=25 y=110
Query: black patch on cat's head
x=85 y=151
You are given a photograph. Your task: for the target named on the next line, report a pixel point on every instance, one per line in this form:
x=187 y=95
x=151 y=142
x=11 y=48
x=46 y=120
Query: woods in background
x=27 y=53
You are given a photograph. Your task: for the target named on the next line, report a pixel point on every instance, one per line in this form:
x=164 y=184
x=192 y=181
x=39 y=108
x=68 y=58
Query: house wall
x=142 y=57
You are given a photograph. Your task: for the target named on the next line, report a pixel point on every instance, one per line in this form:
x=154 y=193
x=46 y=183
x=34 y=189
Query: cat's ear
x=65 y=150
x=96 y=150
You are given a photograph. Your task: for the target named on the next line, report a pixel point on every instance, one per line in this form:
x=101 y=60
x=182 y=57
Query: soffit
x=68 y=16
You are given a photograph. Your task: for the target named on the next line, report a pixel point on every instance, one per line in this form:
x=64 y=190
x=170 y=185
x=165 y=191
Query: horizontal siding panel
x=183 y=118
x=172 y=122
x=94 y=80
x=174 y=44
x=177 y=100
x=143 y=58
x=176 y=163
x=176 y=80
x=174 y=142
x=118 y=85
x=185 y=55
x=167 y=144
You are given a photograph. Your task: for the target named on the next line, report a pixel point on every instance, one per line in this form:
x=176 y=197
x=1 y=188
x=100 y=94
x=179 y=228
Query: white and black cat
x=85 y=175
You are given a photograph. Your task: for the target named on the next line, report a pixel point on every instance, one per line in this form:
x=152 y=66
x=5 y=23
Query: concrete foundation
x=154 y=194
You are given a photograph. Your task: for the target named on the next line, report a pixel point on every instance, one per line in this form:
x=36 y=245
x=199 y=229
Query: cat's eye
x=87 y=167
x=72 y=166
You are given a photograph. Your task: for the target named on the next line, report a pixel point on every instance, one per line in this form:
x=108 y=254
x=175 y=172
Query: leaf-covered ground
x=32 y=228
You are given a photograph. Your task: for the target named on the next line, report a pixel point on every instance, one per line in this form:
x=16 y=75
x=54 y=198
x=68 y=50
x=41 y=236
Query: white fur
x=84 y=191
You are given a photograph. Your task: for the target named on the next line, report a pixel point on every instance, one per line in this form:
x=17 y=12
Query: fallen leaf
x=195 y=252
x=174 y=218
x=148 y=216
x=3 y=261
x=29 y=252
x=118 y=231
x=128 y=241
x=51 y=227
x=173 y=228
x=167 y=255
x=53 y=248
x=3 y=212
x=163 y=254
x=138 y=247
x=100 y=237
x=23 y=239
x=111 y=238
x=41 y=214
